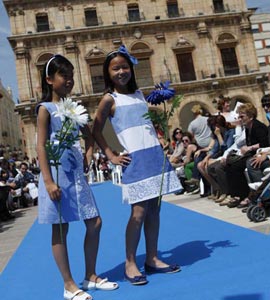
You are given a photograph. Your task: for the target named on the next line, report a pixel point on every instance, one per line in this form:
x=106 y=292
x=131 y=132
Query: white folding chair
x=116 y=175
x=100 y=176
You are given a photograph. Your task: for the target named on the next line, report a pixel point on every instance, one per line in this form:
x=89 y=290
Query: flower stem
x=63 y=135
x=59 y=207
x=165 y=129
x=162 y=178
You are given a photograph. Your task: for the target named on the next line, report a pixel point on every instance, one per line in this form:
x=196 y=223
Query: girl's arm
x=105 y=109
x=42 y=134
x=89 y=146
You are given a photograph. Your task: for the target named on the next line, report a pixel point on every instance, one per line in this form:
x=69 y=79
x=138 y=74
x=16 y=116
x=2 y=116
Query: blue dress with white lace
x=77 y=199
x=141 y=179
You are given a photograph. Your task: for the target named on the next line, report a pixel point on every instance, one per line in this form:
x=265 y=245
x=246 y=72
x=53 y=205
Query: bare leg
x=203 y=171
x=91 y=243
x=60 y=254
x=151 y=231
x=133 y=234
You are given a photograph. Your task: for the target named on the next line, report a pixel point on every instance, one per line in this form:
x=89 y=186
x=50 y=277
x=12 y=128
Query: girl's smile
x=120 y=72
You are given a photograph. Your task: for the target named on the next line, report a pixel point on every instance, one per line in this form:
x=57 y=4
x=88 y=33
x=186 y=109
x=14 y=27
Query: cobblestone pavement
x=224 y=213
x=13 y=232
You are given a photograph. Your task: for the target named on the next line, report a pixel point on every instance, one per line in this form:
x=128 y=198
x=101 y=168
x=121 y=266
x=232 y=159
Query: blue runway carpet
x=219 y=261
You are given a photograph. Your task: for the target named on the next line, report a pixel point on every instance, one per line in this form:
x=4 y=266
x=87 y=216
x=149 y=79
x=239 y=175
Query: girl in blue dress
x=77 y=200
x=142 y=164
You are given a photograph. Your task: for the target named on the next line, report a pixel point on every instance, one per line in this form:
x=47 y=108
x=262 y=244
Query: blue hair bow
x=122 y=49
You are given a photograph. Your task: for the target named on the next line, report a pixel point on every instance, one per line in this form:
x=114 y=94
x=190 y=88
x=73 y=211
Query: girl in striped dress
x=142 y=162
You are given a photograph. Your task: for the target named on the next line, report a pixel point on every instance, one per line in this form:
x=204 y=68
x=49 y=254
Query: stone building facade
x=205 y=48
x=10 y=129
x=260 y=24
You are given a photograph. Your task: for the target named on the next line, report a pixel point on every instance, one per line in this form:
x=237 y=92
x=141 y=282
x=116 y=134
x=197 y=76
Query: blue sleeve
x=228 y=139
x=215 y=148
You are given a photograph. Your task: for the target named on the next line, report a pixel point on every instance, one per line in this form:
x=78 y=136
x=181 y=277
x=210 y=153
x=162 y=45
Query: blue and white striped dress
x=142 y=177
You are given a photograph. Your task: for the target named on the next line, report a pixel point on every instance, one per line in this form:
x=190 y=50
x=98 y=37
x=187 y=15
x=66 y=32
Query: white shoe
x=103 y=285
x=254 y=185
x=75 y=296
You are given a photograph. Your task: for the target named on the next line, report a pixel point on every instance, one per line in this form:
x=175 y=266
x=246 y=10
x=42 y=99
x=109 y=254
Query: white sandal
x=103 y=285
x=75 y=296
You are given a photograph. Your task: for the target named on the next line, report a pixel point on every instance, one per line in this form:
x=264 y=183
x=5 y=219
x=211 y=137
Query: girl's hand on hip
x=122 y=160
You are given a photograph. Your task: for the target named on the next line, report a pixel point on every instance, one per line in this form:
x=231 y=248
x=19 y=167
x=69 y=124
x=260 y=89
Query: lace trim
x=150 y=188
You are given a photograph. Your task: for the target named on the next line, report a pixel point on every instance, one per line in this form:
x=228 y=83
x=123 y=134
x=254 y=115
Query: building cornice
x=152 y=26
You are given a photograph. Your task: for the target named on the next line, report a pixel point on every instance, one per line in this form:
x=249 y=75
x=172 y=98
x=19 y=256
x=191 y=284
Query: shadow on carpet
x=219 y=261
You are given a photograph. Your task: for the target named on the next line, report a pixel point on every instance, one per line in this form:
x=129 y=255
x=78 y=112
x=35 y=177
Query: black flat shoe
x=136 y=280
x=170 y=269
x=181 y=192
x=234 y=203
x=244 y=210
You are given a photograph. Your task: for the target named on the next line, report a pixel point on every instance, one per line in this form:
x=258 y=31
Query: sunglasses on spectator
x=185 y=140
x=266 y=105
x=178 y=131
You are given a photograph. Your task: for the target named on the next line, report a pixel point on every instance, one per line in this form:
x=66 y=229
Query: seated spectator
x=5 y=215
x=22 y=179
x=199 y=127
x=202 y=135
x=190 y=147
x=12 y=169
x=260 y=161
x=256 y=137
x=224 y=108
x=175 y=157
x=187 y=163
x=216 y=170
x=222 y=133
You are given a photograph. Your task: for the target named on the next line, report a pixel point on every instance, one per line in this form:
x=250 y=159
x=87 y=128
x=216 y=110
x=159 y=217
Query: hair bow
x=122 y=49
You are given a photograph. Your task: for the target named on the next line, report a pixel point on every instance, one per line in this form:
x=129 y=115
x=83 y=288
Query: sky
x=7 y=57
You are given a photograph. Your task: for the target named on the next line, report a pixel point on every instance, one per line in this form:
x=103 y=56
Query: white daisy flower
x=66 y=108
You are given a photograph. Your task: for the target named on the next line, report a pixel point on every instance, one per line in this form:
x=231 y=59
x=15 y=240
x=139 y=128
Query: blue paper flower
x=161 y=93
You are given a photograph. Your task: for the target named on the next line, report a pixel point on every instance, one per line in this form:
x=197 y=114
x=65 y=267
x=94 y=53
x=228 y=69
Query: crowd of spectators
x=225 y=152
x=18 y=184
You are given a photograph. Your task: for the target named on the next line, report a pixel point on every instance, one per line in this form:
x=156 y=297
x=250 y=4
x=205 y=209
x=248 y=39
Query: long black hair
x=109 y=85
x=56 y=63
x=174 y=133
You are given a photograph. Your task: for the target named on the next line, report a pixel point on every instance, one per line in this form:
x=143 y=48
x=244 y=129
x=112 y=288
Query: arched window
x=142 y=70
x=42 y=22
x=183 y=51
x=41 y=62
x=227 y=43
